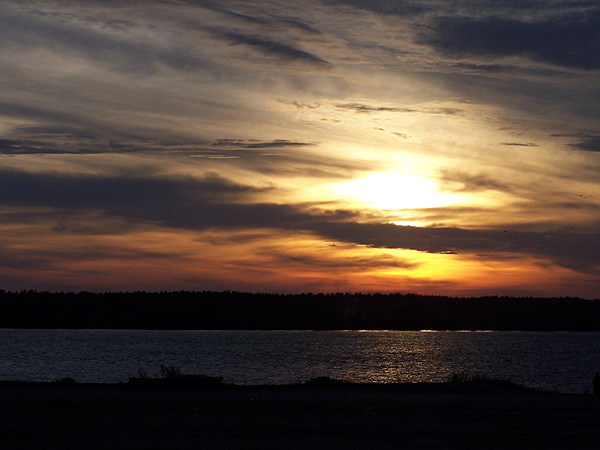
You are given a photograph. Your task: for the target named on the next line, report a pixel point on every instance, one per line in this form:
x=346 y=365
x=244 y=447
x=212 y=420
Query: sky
x=434 y=147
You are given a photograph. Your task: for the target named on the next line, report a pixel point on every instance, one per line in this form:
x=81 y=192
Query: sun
x=394 y=190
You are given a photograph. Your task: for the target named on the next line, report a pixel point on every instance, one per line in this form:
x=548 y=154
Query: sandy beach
x=55 y=416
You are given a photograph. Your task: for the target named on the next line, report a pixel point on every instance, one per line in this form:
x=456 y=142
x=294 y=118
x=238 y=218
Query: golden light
x=394 y=190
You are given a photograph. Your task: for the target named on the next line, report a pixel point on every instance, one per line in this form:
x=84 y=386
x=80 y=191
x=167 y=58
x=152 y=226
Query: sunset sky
x=436 y=147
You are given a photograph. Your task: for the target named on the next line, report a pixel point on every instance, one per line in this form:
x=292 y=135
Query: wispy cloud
x=245 y=144
x=520 y=144
x=401 y=8
x=422 y=109
x=460 y=181
x=126 y=48
x=268 y=47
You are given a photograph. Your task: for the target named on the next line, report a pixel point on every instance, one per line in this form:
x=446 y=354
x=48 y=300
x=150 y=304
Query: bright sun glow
x=395 y=190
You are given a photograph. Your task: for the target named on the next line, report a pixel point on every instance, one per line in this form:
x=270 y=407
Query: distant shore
x=319 y=416
x=229 y=310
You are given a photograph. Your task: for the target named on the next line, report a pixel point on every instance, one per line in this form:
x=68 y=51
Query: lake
x=556 y=361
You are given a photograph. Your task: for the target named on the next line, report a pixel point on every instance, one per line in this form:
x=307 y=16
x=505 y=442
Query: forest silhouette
x=228 y=310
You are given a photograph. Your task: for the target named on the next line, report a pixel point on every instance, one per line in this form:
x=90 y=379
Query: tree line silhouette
x=192 y=310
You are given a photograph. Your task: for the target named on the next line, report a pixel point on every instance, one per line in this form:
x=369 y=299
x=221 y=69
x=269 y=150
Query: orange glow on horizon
x=285 y=262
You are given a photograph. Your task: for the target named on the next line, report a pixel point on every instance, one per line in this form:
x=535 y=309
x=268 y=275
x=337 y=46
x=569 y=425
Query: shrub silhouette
x=169 y=371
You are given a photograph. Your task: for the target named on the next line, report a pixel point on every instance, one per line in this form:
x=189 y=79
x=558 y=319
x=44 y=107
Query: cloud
x=269 y=47
x=571 y=40
x=331 y=262
x=267 y=20
x=298 y=104
x=421 y=109
x=190 y=87
x=520 y=144
x=70 y=140
x=38 y=147
x=112 y=194
x=46 y=258
x=577 y=251
x=461 y=181
x=585 y=141
x=190 y=203
x=280 y=157
x=12 y=147
x=588 y=143
x=215 y=202
x=125 y=49
x=43 y=113
x=504 y=69
x=253 y=145
x=295 y=162
x=51 y=139
x=361 y=108
x=384 y=7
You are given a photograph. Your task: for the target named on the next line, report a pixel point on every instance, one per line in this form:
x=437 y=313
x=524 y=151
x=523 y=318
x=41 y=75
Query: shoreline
x=205 y=383
x=347 y=416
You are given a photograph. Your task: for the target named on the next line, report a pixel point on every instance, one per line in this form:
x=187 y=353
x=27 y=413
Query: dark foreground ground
x=55 y=416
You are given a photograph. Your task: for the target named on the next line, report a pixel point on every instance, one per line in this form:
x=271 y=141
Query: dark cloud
x=569 y=249
x=294 y=23
x=51 y=139
x=56 y=140
x=506 y=69
x=299 y=105
x=587 y=196
x=460 y=181
x=249 y=144
x=112 y=194
x=362 y=108
x=25 y=147
x=269 y=47
x=520 y=144
x=264 y=19
x=396 y=7
x=232 y=14
x=16 y=147
x=570 y=40
x=176 y=202
x=278 y=156
x=586 y=142
x=589 y=144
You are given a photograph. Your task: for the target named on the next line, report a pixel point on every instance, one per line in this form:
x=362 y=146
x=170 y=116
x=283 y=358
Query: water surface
x=557 y=361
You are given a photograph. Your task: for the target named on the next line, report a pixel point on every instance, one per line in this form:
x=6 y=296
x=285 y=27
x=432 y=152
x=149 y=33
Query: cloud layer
x=136 y=138
x=214 y=202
